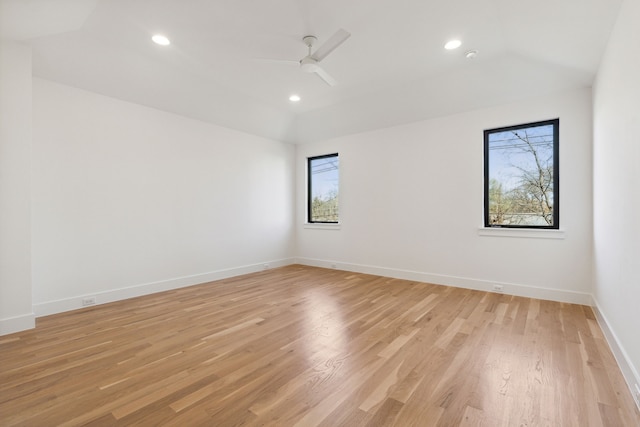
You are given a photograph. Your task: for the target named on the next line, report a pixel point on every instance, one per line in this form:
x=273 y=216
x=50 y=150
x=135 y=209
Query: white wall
x=129 y=200
x=411 y=204
x=15 y=206
x=616 y=178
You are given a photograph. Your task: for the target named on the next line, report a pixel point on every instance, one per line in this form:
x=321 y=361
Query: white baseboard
x=629 y=371
x=460 y=282
x=74 y=303
x=17 y=324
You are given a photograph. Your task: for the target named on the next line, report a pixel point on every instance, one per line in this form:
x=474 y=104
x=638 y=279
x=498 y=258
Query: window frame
x=556 y=175
x=310 y=187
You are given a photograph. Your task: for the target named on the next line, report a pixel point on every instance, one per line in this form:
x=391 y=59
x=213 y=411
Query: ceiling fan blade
x=325 y=76
x=330 y=45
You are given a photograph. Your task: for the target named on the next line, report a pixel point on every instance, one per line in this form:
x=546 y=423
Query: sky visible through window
x=510 y=155
x=521 y=174
x=324 y=173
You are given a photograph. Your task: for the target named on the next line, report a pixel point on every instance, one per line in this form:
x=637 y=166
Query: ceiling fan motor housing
x=309 y=65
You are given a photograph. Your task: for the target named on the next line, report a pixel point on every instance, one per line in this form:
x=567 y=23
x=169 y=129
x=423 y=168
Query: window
x=521 y=176
x=322 y=192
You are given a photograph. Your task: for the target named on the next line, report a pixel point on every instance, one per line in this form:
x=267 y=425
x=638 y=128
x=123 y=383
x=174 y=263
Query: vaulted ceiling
x=393 y=69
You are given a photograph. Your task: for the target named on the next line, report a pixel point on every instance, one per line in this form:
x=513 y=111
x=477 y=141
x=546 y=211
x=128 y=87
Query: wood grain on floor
x=304 y=346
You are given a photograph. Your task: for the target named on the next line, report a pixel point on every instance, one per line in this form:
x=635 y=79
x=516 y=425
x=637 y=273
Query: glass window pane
x=323 y=172
x=521 y=176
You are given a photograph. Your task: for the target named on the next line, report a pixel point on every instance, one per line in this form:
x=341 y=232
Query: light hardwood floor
x=303 y=346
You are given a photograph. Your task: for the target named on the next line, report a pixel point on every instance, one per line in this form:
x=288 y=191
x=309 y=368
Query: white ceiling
x=392 y=70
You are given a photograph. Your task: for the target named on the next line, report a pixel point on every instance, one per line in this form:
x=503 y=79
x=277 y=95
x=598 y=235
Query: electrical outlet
x=88 y=301
x=265 y=266
x=498 y=288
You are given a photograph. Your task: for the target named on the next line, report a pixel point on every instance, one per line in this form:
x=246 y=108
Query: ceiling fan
x=310 y=63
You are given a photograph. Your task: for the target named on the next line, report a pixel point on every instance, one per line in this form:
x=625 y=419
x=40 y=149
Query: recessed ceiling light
x=161 y=40
x=471 y=54
x=294 y=98
x=453 y=44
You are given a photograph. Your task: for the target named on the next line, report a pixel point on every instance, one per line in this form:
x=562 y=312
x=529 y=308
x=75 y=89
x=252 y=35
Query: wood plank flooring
x=303 y=346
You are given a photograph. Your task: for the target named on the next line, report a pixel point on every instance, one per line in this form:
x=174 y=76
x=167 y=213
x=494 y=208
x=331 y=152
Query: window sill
x=526 y=233
x=321 y=226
